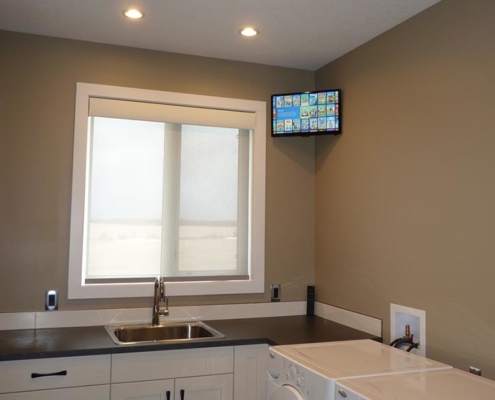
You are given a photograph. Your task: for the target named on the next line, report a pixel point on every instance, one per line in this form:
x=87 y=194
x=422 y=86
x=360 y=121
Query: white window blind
x=167 y=198
x=111 y=108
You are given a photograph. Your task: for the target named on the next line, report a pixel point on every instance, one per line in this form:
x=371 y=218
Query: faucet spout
x=159 y=297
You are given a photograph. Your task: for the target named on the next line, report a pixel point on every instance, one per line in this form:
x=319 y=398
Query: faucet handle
x=162 y=289
x=166 y=306
x=164 y=312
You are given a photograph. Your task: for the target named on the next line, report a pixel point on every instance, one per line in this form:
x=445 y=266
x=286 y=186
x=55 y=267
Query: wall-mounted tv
x=307 y=113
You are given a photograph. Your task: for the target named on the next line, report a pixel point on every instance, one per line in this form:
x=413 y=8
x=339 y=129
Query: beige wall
x=37 y=81
x=405 y=198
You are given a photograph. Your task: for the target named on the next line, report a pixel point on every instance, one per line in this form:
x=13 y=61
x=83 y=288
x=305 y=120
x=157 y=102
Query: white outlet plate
x=400 y=316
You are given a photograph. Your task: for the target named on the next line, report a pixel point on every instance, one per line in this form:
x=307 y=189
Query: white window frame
x=77 y=288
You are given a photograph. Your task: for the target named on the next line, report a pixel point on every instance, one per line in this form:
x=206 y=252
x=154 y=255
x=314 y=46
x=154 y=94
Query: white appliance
x=451 y=384
x=310 y=371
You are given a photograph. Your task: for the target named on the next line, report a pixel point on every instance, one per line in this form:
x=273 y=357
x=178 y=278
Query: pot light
x=133 y=13
x=249 y=32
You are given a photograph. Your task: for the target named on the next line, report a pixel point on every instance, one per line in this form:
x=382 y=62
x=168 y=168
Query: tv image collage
x=306 y=112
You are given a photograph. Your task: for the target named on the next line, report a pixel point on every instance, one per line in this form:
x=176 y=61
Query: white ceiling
x=305 y=34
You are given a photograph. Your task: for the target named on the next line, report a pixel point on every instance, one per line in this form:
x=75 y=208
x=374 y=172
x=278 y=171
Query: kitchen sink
x=173 y=332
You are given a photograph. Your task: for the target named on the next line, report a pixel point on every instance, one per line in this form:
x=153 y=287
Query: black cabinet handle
x=182 y=393
x=61 y=373
x=167 y=394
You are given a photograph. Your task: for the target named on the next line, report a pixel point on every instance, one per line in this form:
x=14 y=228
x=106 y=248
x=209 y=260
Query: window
x=166 y=184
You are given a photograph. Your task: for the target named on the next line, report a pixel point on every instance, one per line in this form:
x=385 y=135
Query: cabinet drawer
x=27 y=375
x=172 y=364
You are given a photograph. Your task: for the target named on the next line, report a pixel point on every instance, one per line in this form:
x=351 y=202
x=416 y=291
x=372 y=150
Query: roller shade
x=109 y=108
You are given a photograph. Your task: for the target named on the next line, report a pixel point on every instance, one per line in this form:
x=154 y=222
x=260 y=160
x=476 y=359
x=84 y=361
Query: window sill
x=126 y=290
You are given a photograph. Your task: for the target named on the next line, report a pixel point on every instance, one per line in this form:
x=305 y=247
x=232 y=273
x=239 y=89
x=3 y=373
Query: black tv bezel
x=310 y=133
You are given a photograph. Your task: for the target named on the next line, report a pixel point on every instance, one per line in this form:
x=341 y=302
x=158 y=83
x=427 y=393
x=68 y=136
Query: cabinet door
x=150 y=390
x=214 y=387
x=82 y=393
x=250 y=364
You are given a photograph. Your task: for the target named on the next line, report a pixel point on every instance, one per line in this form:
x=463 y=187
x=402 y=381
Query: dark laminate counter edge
x=84 y=341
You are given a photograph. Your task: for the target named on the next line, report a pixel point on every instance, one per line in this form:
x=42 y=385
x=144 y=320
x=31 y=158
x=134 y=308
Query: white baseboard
x=64 y=319
x=361 y=322
x=23 y=320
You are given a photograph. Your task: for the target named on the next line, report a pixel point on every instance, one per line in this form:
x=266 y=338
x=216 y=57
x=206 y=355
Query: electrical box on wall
x=411 y=322
x=275 y=291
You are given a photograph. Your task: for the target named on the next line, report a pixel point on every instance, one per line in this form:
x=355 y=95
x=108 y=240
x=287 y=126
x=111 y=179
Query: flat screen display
x=307 y=113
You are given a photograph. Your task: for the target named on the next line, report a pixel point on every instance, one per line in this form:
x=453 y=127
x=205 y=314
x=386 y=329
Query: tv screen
x=307 y=113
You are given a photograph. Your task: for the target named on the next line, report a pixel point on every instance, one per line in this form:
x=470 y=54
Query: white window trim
x=77 y=288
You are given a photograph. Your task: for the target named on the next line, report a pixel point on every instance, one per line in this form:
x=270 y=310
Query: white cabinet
x=100 y=392
x=215 y=373
x=74 y=378
x=250 y=372
x=169 y=364
x=191 y=374
x=211 y=387
x=214 y=387
x=151 y=390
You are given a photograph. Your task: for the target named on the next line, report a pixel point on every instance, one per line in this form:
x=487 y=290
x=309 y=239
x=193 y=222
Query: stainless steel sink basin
x=173 y=332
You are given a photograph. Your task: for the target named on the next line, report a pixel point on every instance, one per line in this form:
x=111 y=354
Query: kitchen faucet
x=159 y=297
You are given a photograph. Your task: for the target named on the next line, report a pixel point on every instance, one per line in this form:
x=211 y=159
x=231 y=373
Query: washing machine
x=310 y=371
x=451 y=384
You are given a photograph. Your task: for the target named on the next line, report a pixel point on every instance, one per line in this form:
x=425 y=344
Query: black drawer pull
x=182 y=392
x=167 y=394
x=61 y=373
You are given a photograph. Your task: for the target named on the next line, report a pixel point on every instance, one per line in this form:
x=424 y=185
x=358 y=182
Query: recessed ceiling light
x=249 y=32
x=133 y=13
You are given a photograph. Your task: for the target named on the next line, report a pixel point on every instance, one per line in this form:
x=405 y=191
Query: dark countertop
x=81 y=341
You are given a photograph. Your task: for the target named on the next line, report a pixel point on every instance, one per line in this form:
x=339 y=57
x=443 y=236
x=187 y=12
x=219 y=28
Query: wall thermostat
x=51 y=300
